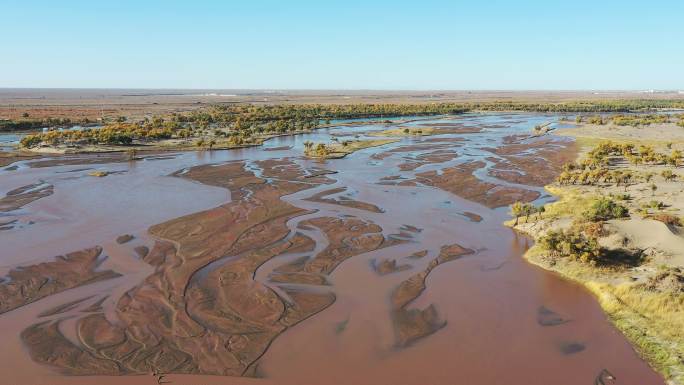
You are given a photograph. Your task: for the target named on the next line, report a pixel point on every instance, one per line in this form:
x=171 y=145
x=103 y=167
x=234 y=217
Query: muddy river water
x=257 y=266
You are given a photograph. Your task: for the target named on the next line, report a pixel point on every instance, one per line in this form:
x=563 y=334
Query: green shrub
x=571 y=244
x=604 y=209
x=621 y=197
x=580 y=243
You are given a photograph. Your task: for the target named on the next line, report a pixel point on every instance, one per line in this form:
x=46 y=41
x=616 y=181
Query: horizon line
x=643 y=90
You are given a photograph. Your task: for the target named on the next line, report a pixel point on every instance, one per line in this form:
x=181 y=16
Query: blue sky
x=426 y=44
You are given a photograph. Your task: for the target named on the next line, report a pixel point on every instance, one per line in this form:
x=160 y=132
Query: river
x=495 y=319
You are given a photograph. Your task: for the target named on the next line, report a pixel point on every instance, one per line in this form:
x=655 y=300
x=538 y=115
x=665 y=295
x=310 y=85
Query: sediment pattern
x=342 y=200
x=24 y=195
x=27 y=284
x=220 y=289
x=412 y=324
x=202 y=311
x=535 y=161
x=460 y=181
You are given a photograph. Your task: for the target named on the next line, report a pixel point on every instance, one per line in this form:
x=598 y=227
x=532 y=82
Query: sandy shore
x=642 y=289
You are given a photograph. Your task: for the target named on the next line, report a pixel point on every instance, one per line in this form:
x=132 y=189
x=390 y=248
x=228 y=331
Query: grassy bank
x=652 y=321
x=616 y=229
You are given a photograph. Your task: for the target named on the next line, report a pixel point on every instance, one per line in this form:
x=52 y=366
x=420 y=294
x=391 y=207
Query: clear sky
x=291 y=44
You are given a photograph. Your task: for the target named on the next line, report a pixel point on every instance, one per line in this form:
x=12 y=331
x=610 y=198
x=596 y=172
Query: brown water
x=499 y=310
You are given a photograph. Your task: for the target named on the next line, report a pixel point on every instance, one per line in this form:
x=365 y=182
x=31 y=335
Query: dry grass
x=653 y=321
x=570 y=202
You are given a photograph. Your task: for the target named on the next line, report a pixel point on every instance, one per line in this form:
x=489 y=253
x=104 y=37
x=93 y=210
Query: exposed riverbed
x=388 y=266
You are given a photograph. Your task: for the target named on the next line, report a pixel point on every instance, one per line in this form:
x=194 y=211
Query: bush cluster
x=573 y=244
x=668 y=219
x=594 y=168
x=603 y=209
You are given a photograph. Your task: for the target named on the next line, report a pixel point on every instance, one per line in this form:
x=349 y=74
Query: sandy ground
x=644 y=233
x=644 y=300
x=657 y=134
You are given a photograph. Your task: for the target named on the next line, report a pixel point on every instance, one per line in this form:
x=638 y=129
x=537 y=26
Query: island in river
x=261 y=265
